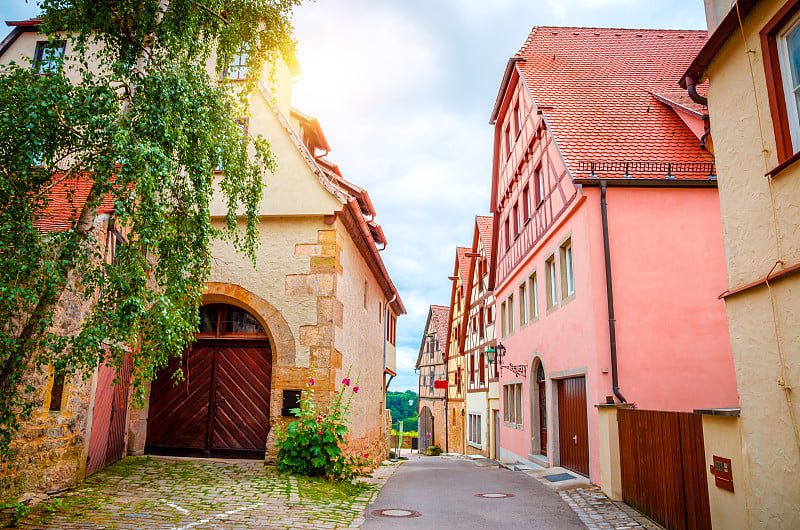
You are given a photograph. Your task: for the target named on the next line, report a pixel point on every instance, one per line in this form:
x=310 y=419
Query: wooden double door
x=573 y=427
x=221 y=408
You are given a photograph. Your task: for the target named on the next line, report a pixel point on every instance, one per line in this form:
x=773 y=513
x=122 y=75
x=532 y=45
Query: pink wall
x=672 y=341
x=668 y=270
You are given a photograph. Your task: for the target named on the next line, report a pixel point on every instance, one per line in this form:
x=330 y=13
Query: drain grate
x=395 y=512
x=494 y=495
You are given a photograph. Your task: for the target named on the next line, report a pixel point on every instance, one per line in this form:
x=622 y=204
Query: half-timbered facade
x=456 y=366
x=432 y=370
x=608 y=254
x=483 y=407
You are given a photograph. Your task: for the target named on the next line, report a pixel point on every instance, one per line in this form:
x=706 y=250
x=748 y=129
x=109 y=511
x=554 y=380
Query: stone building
x=432 y=370
x=749 y=62
x=319 y=301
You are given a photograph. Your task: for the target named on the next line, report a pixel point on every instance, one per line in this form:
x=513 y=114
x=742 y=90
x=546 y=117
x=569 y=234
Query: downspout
x=612 y=332
x=691 y=87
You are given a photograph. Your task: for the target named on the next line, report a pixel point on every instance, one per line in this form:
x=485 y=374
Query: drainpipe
x=612 y=332
x=691 y=87
x=385 y=325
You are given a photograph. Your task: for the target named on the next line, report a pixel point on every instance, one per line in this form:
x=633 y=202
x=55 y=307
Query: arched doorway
x=538 y=408
x=221 y=408
x=541 y=387
x=427 y=434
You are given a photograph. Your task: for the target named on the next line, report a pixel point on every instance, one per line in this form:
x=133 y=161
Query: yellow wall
x=755 y=238
x=722 y=438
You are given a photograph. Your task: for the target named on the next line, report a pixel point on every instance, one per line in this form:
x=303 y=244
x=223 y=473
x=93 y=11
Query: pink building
x=608 y=257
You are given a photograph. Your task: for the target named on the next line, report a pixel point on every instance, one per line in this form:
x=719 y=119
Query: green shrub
x=312 y=445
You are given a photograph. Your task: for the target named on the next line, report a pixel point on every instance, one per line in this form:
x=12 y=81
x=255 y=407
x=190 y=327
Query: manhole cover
x=396 y=512
x=494 y=495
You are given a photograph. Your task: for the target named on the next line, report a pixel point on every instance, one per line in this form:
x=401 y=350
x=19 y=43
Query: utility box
x=723 y=474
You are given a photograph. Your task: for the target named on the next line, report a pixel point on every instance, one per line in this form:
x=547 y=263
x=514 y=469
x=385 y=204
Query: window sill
x=476 y=446
x=570 y=298
x=551 y=309
x=774 y=172
x=517 y=426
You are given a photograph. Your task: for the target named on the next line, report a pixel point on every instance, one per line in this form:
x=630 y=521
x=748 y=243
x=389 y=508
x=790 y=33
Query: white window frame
x=551 y=282
x=793 y=113
x=512 y=404
x=533 y=297
x=523 y=305
x=567 y=269
x=474 y=432
x=510 y=319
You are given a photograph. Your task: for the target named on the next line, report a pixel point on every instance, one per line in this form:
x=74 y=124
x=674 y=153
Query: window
x=526 y=205
x=237 y=68
x=481 y=324
x=474 y=429
x=472 y=377
x=508 y=233
x=517 y=119
x=515 y=212
x=533 y=297
x=57 y=392
x=512 y=404
x=550 y=281
x=503 y=325
x=489 y=314
x=508 y=141
x=481 y=371
x=538 y=180
x=391 y=324
x=510 y=314
x=523 y=308
x=567 y=271
x=48 y=56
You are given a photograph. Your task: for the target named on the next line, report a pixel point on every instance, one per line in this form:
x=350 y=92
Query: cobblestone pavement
x=599 y=512
x=188 y=494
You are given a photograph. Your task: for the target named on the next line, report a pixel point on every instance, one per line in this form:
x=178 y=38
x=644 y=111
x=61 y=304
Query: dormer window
x=49 y=56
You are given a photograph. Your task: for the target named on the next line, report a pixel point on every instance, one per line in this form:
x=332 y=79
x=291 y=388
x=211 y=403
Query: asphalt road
x=443 y=490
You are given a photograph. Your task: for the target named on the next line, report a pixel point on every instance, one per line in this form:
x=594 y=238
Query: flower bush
x=312 y=444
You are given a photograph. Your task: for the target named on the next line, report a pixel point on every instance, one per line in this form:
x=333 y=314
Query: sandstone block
x=298 y=285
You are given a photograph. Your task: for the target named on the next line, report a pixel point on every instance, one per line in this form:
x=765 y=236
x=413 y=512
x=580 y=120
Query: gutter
x=612 y=331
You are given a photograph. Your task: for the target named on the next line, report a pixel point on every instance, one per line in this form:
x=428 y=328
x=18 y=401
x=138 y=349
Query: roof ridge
x=678 y=30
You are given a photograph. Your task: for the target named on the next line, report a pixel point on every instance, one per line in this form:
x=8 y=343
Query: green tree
x=145 y=133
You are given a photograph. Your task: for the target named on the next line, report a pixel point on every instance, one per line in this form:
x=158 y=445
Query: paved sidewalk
x=184 y=494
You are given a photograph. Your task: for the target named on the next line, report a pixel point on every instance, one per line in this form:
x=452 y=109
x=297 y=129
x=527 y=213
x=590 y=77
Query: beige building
x=456 y=362
x=751 y=61
x=319 y=300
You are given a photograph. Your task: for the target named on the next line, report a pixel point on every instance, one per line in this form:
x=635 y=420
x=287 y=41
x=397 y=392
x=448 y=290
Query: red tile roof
x=600 y=84
x=66 y=200
x=485 y=228
x=441 y=316
x=463 y=265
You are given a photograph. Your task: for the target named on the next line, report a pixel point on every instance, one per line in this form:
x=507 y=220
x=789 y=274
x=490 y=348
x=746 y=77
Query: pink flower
x=346 y=381
x=366 y=455
x=312 y=381
x=355 y=389
x=319 y=433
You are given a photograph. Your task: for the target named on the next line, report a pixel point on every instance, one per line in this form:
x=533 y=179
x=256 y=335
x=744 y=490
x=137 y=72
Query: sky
x=403 y=90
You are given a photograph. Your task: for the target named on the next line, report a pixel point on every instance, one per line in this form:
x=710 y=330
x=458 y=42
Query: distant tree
x=146 y=131
x=397 y=402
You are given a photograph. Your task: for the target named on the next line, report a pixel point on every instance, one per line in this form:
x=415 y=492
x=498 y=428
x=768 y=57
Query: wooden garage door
x=221 y=408
x=573 y=430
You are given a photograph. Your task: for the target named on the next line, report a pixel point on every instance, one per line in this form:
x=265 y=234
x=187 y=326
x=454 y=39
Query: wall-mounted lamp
x=495 y=355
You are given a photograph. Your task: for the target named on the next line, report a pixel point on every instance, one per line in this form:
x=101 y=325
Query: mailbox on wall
x=723 y=475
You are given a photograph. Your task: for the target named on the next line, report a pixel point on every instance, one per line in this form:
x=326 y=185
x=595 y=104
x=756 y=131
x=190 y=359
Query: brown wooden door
x=241 y=400
x=663 y=467
x=573 y=430
x=542 y=418
x=221 y=408
x=109 y=415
